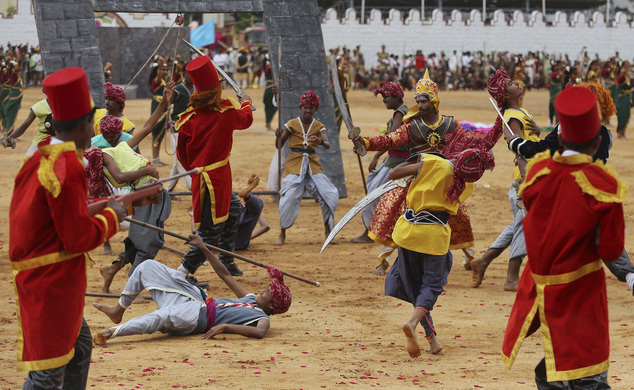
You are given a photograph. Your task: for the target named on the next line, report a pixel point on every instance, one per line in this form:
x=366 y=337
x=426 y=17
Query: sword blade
x=222 y=73
x=363 y=203
x=341 y=102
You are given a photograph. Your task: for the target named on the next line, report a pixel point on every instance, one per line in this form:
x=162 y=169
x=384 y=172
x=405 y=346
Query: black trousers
x=222 y=235
x=73 y=375
x=594 y=382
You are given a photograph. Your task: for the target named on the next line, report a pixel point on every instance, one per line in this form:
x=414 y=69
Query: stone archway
x=68 y=37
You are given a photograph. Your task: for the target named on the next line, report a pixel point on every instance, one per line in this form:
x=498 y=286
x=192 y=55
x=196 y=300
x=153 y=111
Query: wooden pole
x=214 y=248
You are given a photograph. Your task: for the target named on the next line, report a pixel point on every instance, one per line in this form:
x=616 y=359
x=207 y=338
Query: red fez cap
x=578 y=115
x=202 y=73
x=68 y=94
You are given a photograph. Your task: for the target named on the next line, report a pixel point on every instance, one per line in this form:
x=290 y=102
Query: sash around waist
x=426 y=217
x=299 y=150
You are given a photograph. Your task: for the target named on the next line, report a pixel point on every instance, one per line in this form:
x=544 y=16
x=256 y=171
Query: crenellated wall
x=404 y=34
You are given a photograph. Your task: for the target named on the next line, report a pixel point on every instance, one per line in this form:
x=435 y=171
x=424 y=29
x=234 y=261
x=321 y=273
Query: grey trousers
x=73 y=375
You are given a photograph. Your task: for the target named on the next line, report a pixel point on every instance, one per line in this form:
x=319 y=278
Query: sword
x=222 y=73
x=521 y=161
x=369 y=198
x=190 y=172
x=353 y=131
x=279 y=112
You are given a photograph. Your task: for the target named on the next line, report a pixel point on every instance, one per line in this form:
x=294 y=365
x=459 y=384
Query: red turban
x=390 y=89
x=110 y=126
x=279 y=291
x=469 y=167
x=309 y=99
x=497 y=86
x=97 y=186
x=115 y=93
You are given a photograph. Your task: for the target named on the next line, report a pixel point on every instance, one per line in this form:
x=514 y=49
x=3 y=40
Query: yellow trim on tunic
x=207 y=181
x=376 y=239
x=46 y=170
x=42 y=261
x=508 y=360
x=568 y=277
x=541 y=282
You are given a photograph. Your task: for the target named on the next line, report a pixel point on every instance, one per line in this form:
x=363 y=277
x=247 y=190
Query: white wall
x=404 y=34
x=20 y=28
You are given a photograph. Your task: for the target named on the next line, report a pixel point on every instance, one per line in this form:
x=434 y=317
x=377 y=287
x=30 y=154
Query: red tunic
x=574 y=219
x=50 y=231
x=205 y=138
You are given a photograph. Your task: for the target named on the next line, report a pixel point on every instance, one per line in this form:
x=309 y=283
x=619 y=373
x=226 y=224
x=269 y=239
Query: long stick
x=365 y=186
x=279 y=112
x=521 y=161
x=107 y=295
x=214 y=248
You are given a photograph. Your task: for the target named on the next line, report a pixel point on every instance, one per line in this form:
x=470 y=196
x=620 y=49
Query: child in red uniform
x=574 y=219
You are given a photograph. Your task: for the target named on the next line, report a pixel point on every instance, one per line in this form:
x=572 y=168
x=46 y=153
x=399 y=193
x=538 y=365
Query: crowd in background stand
x=29 y=59
x=464 y=71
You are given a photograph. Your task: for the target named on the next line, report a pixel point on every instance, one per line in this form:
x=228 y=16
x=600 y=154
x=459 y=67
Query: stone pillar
x=68 y=37
x=304 y=67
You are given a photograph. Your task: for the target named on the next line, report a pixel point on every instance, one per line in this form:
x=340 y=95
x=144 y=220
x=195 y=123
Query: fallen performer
x=184 y=309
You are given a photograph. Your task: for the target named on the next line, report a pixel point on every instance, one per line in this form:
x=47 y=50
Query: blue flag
x=204 y=35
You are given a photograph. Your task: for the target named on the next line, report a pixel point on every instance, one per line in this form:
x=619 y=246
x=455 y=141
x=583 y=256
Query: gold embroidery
x=46 y=170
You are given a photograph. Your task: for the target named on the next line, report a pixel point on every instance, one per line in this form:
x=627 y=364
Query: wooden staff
x=214 y=248
x=108 y=295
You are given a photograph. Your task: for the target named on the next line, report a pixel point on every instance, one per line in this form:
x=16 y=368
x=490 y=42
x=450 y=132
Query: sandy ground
x=345 y=333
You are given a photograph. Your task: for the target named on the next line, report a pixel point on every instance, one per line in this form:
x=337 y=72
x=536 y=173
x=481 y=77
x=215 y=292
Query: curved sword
x=369 y=198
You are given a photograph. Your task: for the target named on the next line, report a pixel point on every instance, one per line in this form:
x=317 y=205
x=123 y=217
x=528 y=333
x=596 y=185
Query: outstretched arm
x=256 y=332
x=404 y=169
x=25 y=125
x=127 y=177
x=168 y=95
x=218 y=267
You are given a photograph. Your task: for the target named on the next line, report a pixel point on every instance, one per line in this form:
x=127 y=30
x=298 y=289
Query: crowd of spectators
x=28 y=57
x=467 y=70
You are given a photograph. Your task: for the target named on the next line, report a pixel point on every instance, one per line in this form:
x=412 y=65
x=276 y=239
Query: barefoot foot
x=280 y=240
x=434 y=345
x=115 y=313
x=381 y=269
x=362 y=239
x=511 y=284
x=100 y=337
x=107 y=249
x=108 y=272
x=477 y=272
x=252 y=183
x=412 y=342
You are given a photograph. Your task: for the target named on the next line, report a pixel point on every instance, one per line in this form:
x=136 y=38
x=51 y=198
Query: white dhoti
x=179 y=302
x=317 y=185
x=374 y=181
x=274 y=170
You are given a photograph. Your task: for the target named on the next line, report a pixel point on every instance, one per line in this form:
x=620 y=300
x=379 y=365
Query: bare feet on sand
x=115 y=313
x=108 y=272
x=100 y=337
x=282 y=237
x=434 y=345
x=412 y=342
x=362 y=239
x=478 y=268
x=513 y=275
x=252 y=183
x=107 y=249
x=381 y=269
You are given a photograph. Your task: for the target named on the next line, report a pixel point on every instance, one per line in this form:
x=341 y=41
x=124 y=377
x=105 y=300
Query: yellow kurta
x=298 y=140
x=128 y=126
x=522 y=115
x=428 y=191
